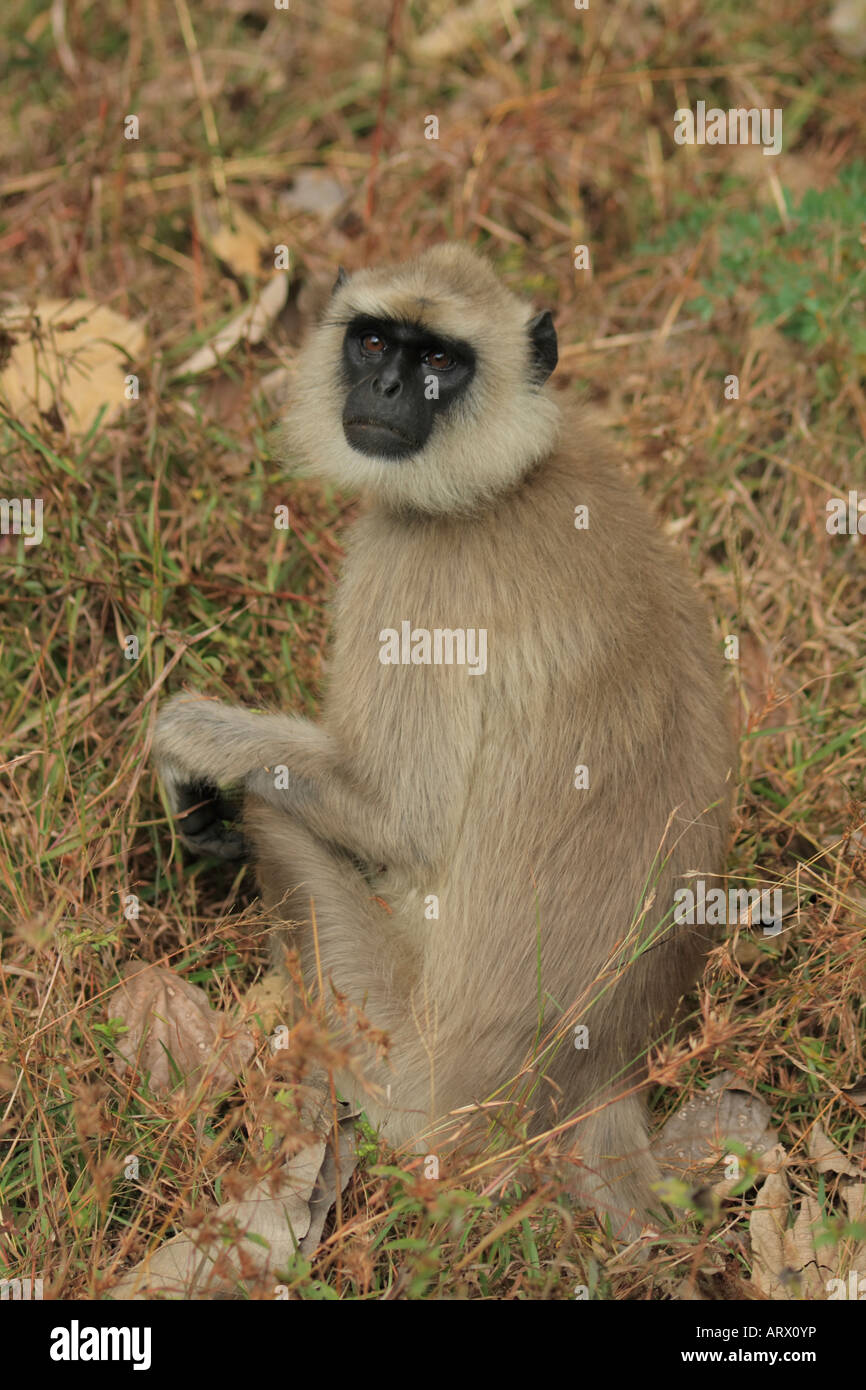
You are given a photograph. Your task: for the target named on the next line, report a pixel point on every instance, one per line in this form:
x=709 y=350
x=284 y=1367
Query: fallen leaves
x=250 y=326
x=801 y=1248
x=805 y=1259
x=177 y=1039
x=847 y=24
x=234 y=237
x=173 y=1035
x=765 y=687
x=314 y=191
x=259 y=1233
x=457 y=30
x=807 y=1221
x=767 y=1225
x=829 y=1159
x=256 y=1237
x=696 y=1139
x=66 y=360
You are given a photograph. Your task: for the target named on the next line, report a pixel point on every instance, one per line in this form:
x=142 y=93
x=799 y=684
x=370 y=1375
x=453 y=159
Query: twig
x=218 y=173
x=384 y=94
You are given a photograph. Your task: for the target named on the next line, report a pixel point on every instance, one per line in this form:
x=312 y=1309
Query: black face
x=398 y=376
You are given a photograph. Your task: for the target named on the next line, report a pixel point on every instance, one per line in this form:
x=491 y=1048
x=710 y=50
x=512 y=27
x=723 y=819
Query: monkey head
x=398 y=376
x=423 y=385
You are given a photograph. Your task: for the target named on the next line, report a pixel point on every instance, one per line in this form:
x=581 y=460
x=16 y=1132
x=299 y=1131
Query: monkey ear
x=341 y=280
x=542 y=340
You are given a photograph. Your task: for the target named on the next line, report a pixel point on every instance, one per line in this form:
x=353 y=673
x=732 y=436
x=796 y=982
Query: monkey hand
x=205 y=817
x=203 y=747
x=190 y=779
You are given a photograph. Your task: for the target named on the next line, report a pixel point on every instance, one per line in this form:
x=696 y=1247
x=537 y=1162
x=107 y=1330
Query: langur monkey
x=488 y=849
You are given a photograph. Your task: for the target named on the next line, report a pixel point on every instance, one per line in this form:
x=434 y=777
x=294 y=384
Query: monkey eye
x=371 y=342
x=437 y=359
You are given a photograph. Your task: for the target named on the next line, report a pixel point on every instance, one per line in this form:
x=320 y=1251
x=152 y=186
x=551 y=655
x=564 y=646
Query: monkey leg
x=315 y=888
x=348 y=940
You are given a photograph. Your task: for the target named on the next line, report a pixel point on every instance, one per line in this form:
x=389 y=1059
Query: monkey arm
x=202 y=745
x=201 y=738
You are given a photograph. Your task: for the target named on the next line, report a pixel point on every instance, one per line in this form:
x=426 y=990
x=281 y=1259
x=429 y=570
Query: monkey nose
x=389 y=389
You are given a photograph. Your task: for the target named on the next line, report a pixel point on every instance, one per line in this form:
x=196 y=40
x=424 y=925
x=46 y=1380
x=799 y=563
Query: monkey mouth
x=374 y=438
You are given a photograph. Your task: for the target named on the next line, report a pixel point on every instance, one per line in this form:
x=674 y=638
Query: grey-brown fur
x=462 y=786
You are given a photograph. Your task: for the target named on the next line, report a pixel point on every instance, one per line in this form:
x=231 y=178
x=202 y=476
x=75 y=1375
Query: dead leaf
x=765 y=687
x=250 y=326
x=69 y=359
x=788 y=1263
x=457 y=30
x=767 y=1226
x=699 y=1135
x=237 y=240
x=829 y=1159
x=856 y=1092
x=269 y=999
x=852 y=1253
x=260 y=1233
x=271 y=1223
x=813 y=1267
x=314 y=190
x=854 y=1196
x=204 y=1262
x=170 y=1021
x=847 y=24
x=325 y=1193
